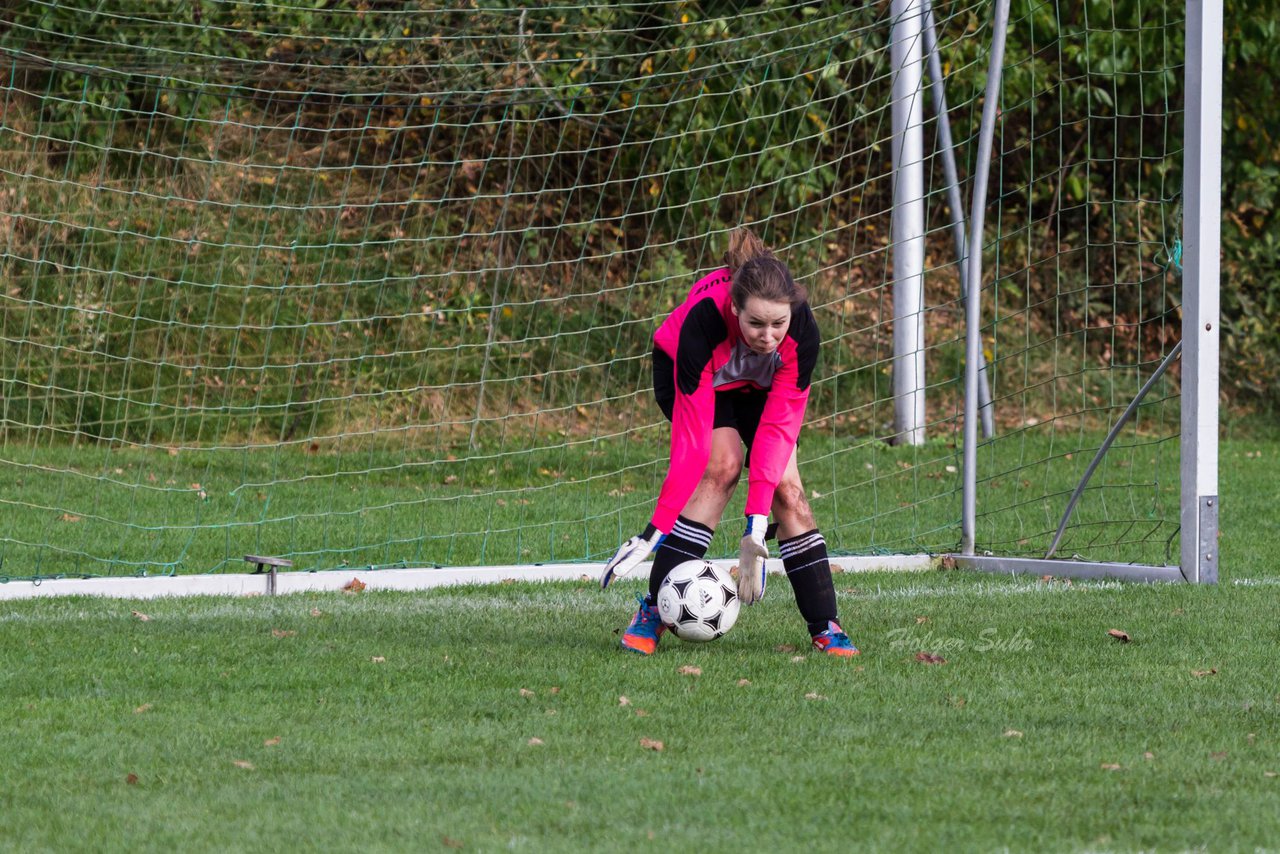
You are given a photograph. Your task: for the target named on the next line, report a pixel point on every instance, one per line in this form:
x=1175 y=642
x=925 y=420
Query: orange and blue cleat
x=643 y=633
x=833 y=641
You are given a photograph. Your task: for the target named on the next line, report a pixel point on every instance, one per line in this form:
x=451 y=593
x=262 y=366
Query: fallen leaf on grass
x=929 y=658
x=921 y=620
x=690 y=670
x=814 y=696
x=1110 y=766
x=1218 y=756
x=282 y=633
x=1013 y=733
x=242 y=763
x=67 y=517
x=1148 y=756
x=143 y=709
x=785 y=647
x=131 y=779
x=271 y=742
x=379 y=659
x=141 y=617
x=355 y=585
x=536 y=742
x=641 y=713
x=742 y=683
x=1123 y=637
x=554 y=689
x=316 y=612
x=1270 y=774
x=623 y=701
x=796 y=659
x=652 y=744
x=450 y=842
x=525 y=692
x=1212 y=671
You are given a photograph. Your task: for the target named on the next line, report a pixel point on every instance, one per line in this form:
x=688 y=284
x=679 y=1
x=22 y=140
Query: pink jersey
x=701 y=337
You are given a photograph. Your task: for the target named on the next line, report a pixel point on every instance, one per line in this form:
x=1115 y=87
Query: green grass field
x=505 y=718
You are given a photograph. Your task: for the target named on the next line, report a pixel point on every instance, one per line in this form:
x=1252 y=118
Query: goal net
x=373 y=284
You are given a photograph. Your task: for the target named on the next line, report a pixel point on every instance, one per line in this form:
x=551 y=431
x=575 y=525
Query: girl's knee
x=790 y=504
x=723 y=474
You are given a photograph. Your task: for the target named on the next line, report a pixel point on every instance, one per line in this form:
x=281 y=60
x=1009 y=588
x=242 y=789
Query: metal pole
x=1168 y=360
x=908 y=223
x=947 y=147
x=1201 y=245
x=973 y=306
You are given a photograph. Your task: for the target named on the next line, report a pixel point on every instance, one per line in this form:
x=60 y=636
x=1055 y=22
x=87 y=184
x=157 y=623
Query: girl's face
x=763 y=323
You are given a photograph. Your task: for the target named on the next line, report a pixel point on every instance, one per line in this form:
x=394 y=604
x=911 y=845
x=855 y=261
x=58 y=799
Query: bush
x=547 y=173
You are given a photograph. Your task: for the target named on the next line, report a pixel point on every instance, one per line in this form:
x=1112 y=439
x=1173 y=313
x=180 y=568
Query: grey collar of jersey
x=747 y=365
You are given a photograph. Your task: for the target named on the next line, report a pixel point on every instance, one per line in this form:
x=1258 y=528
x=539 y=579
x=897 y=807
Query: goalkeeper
x=731 y=372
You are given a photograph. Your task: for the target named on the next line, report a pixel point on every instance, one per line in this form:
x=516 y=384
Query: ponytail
x=756 y=273
x=744 y=246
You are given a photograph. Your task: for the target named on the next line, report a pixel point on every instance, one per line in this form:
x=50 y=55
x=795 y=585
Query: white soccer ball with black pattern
x=698 y=601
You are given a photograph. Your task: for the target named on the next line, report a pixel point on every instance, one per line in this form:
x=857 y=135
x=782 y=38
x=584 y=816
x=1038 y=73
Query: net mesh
x=374 y=284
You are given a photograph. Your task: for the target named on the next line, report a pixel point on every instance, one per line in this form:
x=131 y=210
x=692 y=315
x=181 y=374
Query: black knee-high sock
x=805 y=560
x=688 y=540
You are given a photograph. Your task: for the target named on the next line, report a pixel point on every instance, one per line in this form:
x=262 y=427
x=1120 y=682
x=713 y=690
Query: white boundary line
x=254 y=584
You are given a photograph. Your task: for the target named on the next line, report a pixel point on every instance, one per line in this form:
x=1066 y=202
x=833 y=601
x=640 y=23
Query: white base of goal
x=1069 y=568
x=259 y=584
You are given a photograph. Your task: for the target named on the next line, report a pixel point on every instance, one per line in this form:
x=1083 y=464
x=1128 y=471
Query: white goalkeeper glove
x=629 y=554
x=752 y=554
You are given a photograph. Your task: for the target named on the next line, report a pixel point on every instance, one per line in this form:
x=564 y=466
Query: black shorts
x=739 y=408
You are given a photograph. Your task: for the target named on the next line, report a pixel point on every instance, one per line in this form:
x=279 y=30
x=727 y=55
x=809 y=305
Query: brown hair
x=756 y=273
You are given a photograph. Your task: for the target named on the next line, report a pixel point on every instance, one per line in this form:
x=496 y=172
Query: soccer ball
x=698 y=601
